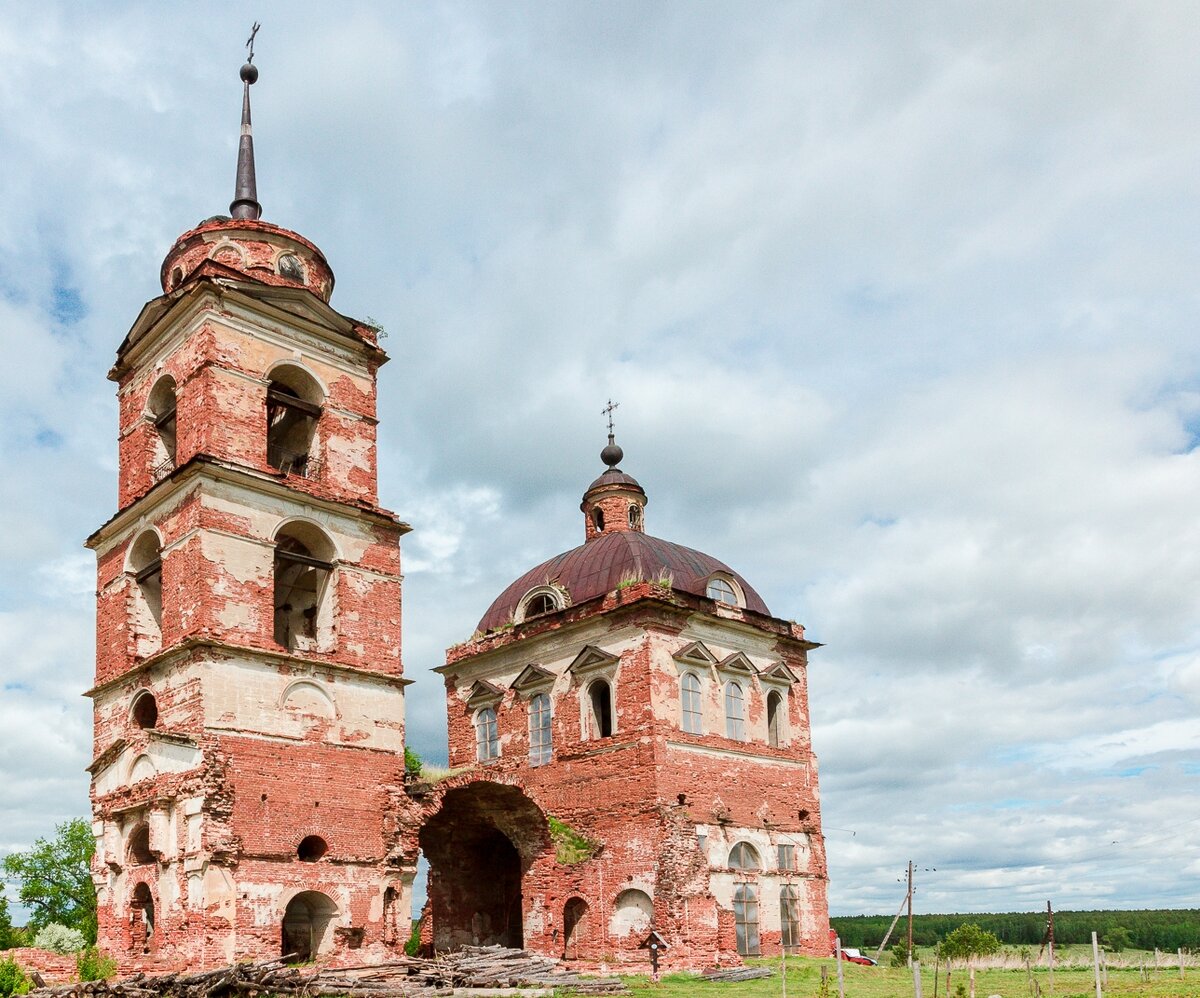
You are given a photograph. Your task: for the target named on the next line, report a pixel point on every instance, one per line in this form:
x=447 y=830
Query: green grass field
x=804 y=981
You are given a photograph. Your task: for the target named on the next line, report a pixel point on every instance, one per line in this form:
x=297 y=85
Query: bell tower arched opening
x=306 y=926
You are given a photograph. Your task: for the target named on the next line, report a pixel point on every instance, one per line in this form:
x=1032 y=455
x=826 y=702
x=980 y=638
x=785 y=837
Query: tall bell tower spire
x=245 y=196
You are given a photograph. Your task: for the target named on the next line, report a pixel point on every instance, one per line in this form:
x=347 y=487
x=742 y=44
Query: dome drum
x=266 y=253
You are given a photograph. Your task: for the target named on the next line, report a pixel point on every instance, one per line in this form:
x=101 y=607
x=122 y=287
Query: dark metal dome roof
x=600 y=565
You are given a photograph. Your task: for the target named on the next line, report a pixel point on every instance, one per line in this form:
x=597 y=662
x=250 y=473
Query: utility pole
x=910 y=913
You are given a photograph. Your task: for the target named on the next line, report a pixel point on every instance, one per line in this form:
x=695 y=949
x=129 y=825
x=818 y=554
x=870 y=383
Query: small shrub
x=413 y=946
x=59 y=939
x=412 y=762
x=94 y=964
x=12 y=979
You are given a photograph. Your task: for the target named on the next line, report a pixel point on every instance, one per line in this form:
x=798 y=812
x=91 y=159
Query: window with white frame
x=487 y=735
x=539 y=730
x=735 y=712
x=721 y=590
x=690 y=703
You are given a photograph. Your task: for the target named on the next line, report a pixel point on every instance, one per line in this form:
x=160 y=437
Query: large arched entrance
x=479 y=844
x=306 y=926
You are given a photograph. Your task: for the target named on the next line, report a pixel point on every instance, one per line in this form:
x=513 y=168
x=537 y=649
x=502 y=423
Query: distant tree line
x=1165 y=929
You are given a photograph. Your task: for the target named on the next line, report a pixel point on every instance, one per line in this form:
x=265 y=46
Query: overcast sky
x=900 y=307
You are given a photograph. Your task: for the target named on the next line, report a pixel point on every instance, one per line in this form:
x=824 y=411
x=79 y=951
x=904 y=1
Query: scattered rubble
x=473 y=970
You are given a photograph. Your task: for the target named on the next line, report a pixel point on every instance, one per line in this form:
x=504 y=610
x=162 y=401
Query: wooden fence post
x=916 y=969
x=1096 y=965
x=837 y=951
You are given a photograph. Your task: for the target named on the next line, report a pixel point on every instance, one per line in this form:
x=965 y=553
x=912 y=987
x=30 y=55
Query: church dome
x=617 y=550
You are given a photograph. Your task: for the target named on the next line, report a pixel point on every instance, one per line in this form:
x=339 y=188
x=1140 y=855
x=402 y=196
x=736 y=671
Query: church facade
x=628 y=725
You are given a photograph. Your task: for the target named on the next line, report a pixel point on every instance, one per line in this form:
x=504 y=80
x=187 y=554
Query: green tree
x=56 y=878
x=1118 y=938
x=969 y=941
x=7 y=935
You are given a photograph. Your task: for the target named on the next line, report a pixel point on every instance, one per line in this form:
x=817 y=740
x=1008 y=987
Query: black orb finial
x=249 y=73
x=612 y=454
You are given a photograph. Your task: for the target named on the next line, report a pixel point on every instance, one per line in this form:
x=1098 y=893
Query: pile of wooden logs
x=738 y=974
x=474 y=970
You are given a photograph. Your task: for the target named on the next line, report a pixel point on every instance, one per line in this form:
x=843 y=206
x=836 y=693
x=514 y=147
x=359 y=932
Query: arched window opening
x=775 y=718
x=293 y=412
x=311 y=848
x=289 y=266
x=735 y=712
x=305 y=929
x=721 y=590
x=139 y=846
x=598 y=518
x=539 y=730
x=601 y=713
x=789 y=916
x=145 y=561
x=487 y=735
x=541 y=603
x=141 y=914
x=161 y=408
x=635 y=516
x=574 y=927
x=303 y=563
x=743 y=856
x=145 y=710
x=745 y=919
x=689 y=695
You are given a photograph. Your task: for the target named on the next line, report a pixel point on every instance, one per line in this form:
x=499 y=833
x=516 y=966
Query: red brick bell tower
x=249 y=699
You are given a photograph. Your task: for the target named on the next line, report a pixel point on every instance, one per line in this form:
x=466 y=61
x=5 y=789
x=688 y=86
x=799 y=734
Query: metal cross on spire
x=608 y=411
x=250 y=41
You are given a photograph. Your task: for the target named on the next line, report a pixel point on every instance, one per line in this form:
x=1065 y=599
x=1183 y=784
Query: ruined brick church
x=628 y=723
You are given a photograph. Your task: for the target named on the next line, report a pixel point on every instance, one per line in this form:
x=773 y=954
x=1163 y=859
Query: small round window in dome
x=720 y=590
x=290 y=267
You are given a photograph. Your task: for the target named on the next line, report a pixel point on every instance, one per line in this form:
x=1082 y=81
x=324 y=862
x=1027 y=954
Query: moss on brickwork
x=570 y=846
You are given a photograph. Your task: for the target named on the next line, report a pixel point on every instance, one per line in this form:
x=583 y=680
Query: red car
x=849 y=953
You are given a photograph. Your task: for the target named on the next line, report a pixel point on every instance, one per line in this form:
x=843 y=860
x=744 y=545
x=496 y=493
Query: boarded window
x=745 y=919
x=487 y=735
x=789 y=916
x=539 y=730
x=775 y=718
x=735 y=712
x=689 y=695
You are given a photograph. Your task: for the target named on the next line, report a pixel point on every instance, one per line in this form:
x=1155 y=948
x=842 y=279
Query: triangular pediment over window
x=484 y=694
x=696 y=654
x=533 y=679
x=779 y=675
x=737 y=663
x=592 y=660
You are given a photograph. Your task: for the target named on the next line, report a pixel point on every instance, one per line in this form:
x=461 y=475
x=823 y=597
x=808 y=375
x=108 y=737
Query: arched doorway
x=141 y=929
x=306 y=926
x=574 y=927
x=479 y=844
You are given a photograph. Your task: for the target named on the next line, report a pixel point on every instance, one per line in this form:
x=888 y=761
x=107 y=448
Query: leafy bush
x=413 y=946
x=94 y=964
x=899 y=957
x=59 y=939
x=12 y=979
x=412 y=762
x=967 y=942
